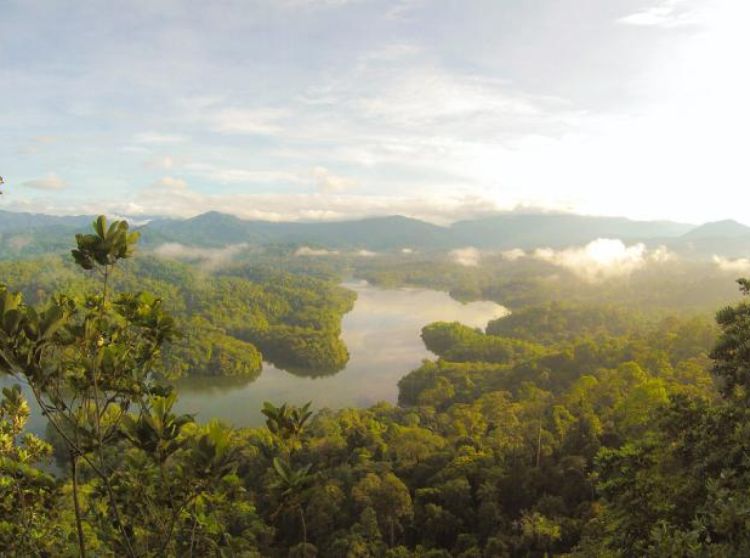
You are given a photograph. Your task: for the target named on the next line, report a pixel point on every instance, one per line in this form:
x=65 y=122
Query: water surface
x=382 y=333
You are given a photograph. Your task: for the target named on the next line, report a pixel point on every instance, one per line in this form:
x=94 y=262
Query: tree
x=287 y=422
x=26 y=493
x=292 y=485
x=89 y=361
x=389 y=497
x=732 y=352
x=681 y=489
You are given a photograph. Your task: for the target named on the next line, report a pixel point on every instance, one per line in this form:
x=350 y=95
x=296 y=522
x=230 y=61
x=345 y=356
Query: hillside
x=25 y=234
x=718 y=229
x=390 y=233
x=218 y=229
x=513 y=230
x=11 y=221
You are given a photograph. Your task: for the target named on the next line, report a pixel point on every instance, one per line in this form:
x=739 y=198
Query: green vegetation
x=458 y=343
x=564 y=429
x=229 y=322
x=674 y=287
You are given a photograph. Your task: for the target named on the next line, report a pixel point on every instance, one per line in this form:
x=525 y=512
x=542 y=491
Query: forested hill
x=513 y=230
x=504 y=231
x=25 y=234
x=216 y=229
x=230 y=322
x=14 y=222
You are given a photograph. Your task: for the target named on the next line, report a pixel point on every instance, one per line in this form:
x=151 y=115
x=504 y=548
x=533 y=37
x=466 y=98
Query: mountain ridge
x=394 y=232
x=726 y=228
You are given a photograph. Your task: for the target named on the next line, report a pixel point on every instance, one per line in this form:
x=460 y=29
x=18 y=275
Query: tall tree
x=89 y=361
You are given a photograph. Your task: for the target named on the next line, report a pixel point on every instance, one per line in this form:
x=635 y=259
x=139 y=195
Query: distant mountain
x=498 y=232
x=719 y=229
x=376 y=233
x=30 y=234
x=723 y=238
x=23 y=234
x=515 y=230
x=10 y=221
x=382 y=233
x=208 y=229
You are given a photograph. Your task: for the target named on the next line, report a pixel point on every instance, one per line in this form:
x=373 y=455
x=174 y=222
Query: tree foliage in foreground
x=684 y=490
x=90 y=364
x=614 y=440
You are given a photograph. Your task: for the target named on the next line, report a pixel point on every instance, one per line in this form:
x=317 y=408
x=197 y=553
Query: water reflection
x=382 y=334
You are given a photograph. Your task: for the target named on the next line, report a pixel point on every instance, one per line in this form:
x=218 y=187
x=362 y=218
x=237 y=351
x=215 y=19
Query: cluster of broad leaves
x=568 y=430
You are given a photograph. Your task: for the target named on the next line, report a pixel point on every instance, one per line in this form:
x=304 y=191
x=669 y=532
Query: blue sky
x=327 y=109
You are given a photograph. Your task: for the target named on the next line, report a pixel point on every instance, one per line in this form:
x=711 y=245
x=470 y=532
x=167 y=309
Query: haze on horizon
x=328 y=109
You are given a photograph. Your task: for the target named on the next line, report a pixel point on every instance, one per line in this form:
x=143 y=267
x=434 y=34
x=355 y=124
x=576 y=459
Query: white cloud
x=661 y=255
x=49 y=182
x=421 y=95
x=320 y=177
x=164 y=162
x=403 y=9
x=327 y=182
x=173 y=197
x=210 y=258
x=603 y=258
x=393 y=52
x=666 y=13
x=741 y=265
x=243 y=176
x=316 y=3
x=307 y=251
x=365 y=253
x=37 y=144
x=170 y=184
x=405 y=108
x=513 y=255
x=158 y=138
x=248 y=121
x=140 y=149
x=468 y=256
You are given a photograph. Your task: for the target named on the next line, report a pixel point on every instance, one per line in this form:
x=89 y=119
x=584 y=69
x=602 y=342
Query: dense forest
x=674 y=286
x=576 y=426
x=229 y=322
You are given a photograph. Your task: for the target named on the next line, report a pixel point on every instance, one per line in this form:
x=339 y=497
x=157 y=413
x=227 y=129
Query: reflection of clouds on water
x=417 y=307
x=382 y=333
x=388 y=323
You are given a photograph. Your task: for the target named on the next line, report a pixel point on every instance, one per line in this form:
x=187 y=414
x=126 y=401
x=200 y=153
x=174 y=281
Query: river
x=382 y=333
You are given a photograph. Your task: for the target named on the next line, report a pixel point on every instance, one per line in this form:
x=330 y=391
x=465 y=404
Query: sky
x=334 y=109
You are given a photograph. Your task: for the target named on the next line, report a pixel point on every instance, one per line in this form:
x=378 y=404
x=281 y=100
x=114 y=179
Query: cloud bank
x=314 y=252
x=467 y=257
x=740 y=265
x=667 y=14
x=513 y=255
x=49 y=182
x=603 y=258
x=172 y=196
x=209 y=258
